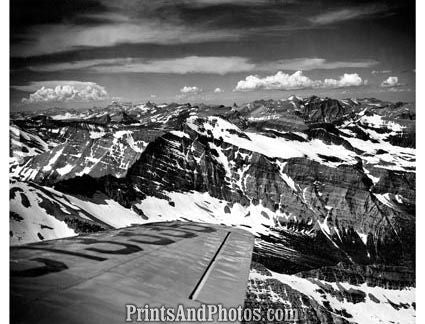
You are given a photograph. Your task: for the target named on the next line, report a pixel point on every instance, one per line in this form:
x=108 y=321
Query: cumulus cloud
x=284 y=81
x=346 y=80
x=116 y=99
x=280 y=81
x=64 y=91
x=190 y=90
x=218 y=90
x=390 y=82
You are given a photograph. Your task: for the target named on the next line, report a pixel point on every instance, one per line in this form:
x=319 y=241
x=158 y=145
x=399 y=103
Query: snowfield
x=396 y=158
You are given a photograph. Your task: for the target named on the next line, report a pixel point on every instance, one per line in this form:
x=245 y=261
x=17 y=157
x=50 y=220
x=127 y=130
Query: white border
x=4 y=142
x=4 y=161
x=420 y=136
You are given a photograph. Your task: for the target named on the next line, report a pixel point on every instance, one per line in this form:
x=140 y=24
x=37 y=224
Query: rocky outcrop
x=86 y=152
x=374 y=275
x=342 y=295
x=320 y=110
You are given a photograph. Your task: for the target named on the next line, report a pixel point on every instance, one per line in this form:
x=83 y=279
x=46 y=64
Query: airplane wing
x=90 y=278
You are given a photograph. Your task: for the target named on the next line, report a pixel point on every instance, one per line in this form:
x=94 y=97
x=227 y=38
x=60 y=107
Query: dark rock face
x=24 y=144
x=200 y=170
x=403 y=139
x=307 y=309
x=317 y=110
x=343 y=294
x=374 y=275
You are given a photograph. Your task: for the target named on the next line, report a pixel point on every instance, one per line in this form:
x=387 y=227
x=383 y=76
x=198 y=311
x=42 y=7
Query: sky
x=85 y=53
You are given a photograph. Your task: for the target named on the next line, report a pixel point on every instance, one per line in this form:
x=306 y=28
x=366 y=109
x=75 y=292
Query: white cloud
x=179 y=65
x=313 y=63
x=77 y=65
x=395 y=89
x=280 y=81
x=381 y=72
x=399 y=90
x=199 y=64
x=202 y=3
x=390 y=82
x=184 y=65
x=345 y=14
x=218 y=90
x=346 y=80
x=66 y=37
x=283 y=81
x=190 y=90
x=63 y=91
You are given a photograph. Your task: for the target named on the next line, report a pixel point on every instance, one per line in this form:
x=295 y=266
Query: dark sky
x=78 y=53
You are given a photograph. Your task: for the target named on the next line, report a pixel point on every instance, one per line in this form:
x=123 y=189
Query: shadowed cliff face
x=327 y=186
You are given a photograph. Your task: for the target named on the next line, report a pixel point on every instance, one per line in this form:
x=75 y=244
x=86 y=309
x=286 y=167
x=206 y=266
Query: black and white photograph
x=224 y=161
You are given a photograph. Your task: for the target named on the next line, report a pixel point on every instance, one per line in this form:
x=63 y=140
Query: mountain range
x=326 y=186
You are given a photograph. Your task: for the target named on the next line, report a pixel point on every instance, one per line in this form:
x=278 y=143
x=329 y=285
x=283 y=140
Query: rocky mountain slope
x=327 y=186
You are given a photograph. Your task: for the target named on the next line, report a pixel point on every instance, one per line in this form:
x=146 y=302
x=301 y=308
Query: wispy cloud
x=339 y=15
x=283 y=81
x=64 y=37
x=179 y=65
x=399 y=90
x=199 y=64
x=184 y=65
x=201 y=3
x=109 y=23
x=308 y=63
x=381 y=72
